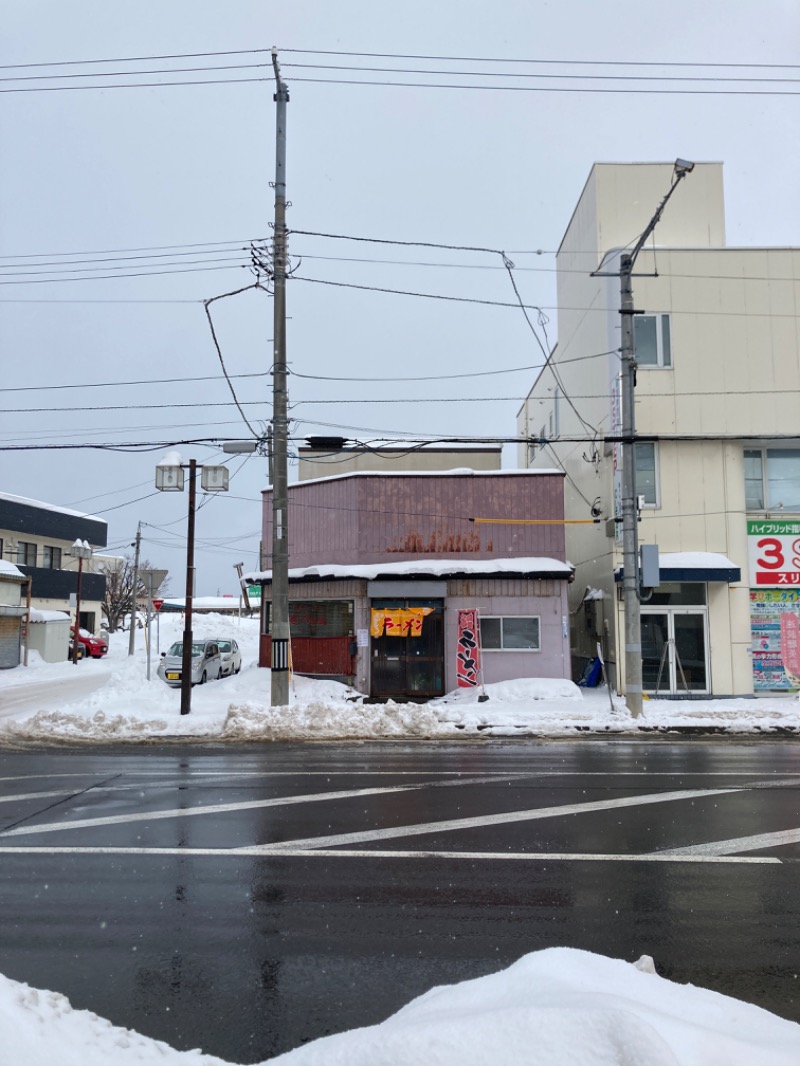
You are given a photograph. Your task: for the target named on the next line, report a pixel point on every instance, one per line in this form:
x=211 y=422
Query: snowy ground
x=111 y=700
x=557 y=1007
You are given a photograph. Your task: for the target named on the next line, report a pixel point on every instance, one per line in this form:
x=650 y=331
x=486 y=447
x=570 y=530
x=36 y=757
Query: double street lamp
x=170 y=478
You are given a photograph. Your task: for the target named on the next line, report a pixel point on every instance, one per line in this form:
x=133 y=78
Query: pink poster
x=468 y=656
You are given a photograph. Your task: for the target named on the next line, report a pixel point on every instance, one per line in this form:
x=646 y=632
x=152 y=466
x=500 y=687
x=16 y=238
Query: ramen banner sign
x=468 y=656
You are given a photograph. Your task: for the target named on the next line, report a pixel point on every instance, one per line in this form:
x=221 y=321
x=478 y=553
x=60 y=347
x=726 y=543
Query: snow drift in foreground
x=558 y=1007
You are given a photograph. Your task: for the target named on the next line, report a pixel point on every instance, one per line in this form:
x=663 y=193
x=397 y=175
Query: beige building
x=716 y=403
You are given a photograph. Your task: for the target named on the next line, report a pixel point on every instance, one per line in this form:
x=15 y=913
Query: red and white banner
x=468 y=655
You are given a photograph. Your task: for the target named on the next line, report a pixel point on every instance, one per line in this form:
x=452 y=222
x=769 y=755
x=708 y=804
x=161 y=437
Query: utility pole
x=630 y=511
x=134 y=589
x=279 y=614
x=186 y=659
x=630 y=533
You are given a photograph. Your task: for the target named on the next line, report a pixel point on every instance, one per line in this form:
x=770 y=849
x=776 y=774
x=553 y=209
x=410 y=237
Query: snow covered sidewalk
x=96 y=702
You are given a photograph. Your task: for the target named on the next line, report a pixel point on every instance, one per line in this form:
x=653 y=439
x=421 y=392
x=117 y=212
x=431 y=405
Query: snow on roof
x=10 y=570
x=48 y=506
x=48 y=616
x=457 y=472
x=424 y=567
x=693 y=561
x=205 y=603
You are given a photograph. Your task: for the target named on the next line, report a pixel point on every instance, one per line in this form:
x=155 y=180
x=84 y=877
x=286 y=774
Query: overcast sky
x=179 y=175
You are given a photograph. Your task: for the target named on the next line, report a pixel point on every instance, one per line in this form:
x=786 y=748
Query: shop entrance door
x=409 y=667
x=674 y=651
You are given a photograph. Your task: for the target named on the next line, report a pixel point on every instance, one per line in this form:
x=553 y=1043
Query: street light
x=170 y=478
x=83 y=550
x=631 y=592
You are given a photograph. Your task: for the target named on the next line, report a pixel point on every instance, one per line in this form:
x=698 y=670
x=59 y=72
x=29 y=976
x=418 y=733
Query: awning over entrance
x=693 y=566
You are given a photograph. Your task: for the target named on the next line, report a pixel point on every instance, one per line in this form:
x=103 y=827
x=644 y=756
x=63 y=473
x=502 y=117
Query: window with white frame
x=513 y=633
x=26 y=553
x=646 y=472
x=51 y=557
x=652 y=340
x=772 y=479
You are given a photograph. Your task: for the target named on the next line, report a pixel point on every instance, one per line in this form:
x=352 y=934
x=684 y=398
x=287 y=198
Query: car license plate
x=173 y=677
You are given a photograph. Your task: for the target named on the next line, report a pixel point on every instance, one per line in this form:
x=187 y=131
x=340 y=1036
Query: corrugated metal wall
x=368 y=519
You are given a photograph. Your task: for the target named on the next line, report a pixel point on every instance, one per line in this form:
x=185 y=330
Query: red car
x=92 y=646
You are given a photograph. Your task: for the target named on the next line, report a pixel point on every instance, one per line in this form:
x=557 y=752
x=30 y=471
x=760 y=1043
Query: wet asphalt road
x=248 y=900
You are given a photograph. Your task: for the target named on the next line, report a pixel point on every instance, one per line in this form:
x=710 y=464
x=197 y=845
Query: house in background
x=38 y=538
x=368 y=548
x=716 y=401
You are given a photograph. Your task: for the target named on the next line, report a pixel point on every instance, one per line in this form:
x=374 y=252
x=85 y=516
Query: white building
x=717 y=398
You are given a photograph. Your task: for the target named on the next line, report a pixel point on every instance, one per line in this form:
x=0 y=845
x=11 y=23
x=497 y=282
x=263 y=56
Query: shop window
x=652 y=340
x=51 y=557
x=772 y=479
x=510 y=634
x=26 y=553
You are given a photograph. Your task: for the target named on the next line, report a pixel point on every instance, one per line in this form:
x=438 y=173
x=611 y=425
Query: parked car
x=206 y=663
x=94 y=647
x=231 y=657
x=81 y=653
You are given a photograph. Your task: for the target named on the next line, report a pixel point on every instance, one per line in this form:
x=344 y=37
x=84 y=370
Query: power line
x=144 y=248
x=518 y=74
x=504 y=88
x=115 y=384
x=139 y=274
x=133 y=59
x=560 y=62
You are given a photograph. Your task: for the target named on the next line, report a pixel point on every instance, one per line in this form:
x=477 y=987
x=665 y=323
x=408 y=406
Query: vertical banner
x=468 y=655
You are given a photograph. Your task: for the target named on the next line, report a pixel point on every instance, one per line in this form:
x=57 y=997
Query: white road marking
x=188 y=812
x=738 y=844
x=475 y=856
x=38 y=795
x=483 y=821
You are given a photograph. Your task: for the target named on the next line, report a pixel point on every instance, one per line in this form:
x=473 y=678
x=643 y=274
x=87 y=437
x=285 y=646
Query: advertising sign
x=775 y=627
x=774 y=553
x=468 y=655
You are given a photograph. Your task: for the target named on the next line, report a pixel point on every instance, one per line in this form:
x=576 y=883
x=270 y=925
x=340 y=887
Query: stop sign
x=158 y=604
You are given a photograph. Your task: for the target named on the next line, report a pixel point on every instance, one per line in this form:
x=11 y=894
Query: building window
x=646 y=473
x=26 y=553
x=652 y=341
x=772 y=479
x=510 y=634
x=51 y=557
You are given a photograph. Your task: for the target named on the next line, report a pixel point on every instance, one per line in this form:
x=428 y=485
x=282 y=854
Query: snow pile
x=557 y=1007
x=320 y=720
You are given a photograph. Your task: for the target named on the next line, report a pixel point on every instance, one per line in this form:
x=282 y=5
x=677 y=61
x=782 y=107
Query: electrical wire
x=116 y=384
x=206 y=307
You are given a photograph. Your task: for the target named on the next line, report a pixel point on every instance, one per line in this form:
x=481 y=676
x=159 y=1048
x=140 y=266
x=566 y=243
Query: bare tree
x=118 y=602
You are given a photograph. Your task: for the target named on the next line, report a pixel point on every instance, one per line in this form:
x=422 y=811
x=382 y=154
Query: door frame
x=675 y=686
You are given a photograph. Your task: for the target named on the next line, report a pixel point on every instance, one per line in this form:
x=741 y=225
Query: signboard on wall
x=468 y=653
x=775 y=627
x=774 y=554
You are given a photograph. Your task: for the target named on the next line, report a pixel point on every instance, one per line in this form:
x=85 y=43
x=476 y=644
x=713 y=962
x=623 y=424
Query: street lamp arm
x=654 y=221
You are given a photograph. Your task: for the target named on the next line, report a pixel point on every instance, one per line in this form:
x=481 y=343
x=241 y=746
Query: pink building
x=364 y=544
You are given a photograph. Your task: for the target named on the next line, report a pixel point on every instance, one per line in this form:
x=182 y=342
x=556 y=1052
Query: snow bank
x=557 y=1007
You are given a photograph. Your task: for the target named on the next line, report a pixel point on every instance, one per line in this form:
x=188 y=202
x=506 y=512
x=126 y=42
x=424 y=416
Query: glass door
x=674 y=651
x=410 y=667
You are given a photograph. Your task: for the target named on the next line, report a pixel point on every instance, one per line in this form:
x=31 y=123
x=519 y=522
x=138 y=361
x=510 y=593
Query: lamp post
x=631 y=592
x=170 y=478
x=82 y=549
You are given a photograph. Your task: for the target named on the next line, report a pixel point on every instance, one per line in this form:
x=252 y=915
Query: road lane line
x=364 y=853
x=738 y=844
x=484 y=821
x=37 y=795
x=187 y=812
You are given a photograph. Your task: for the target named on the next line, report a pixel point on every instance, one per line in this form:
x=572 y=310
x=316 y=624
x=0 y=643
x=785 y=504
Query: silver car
x=231 y=657
x=206 y=663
